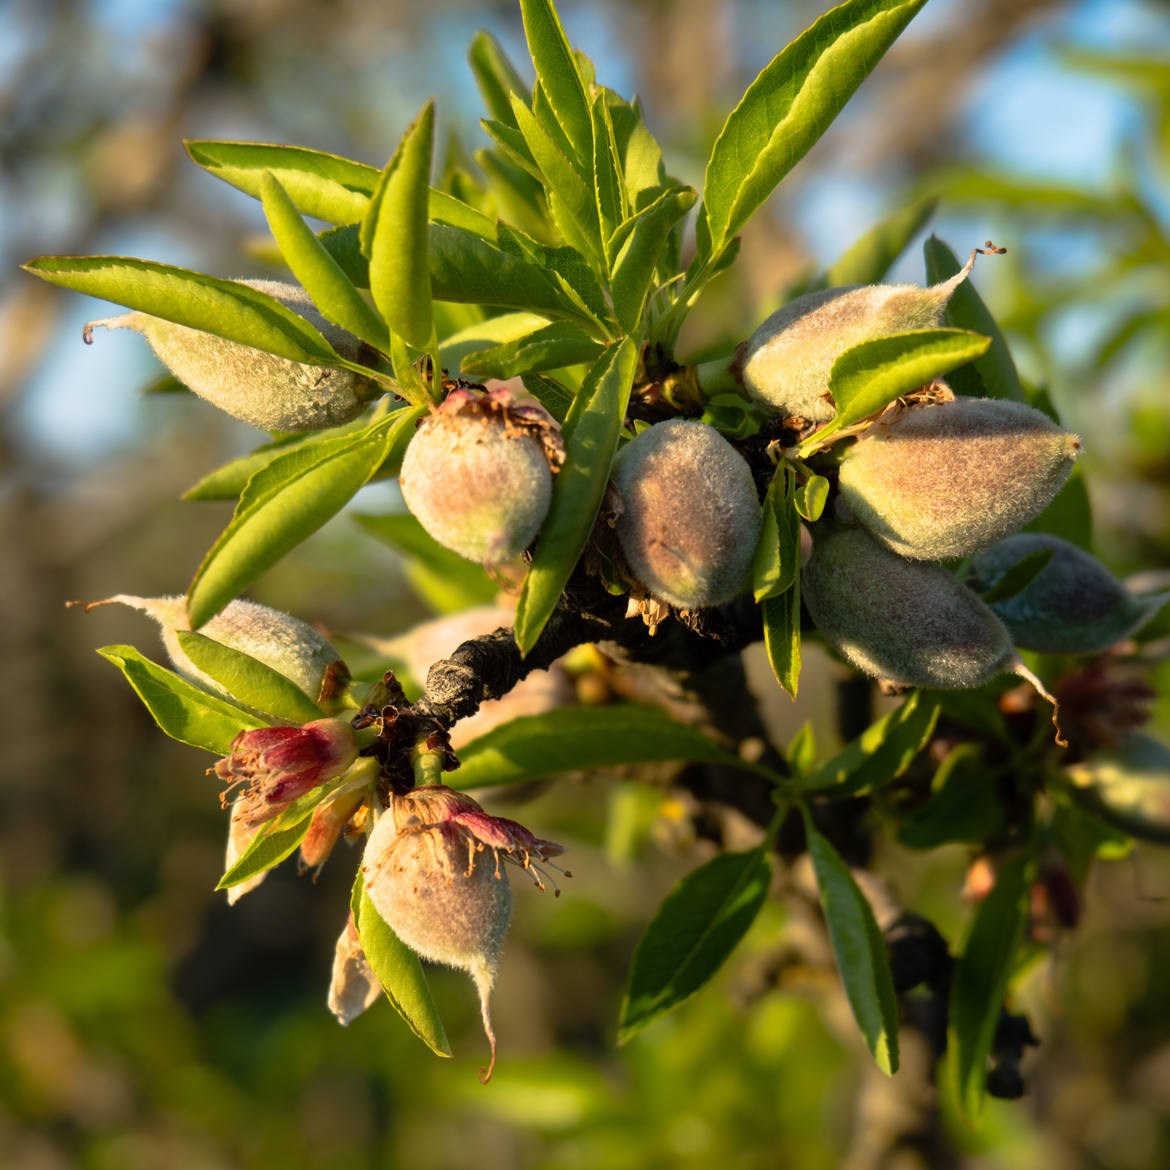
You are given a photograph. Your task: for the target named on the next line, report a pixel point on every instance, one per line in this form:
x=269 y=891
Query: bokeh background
x=142 y=1023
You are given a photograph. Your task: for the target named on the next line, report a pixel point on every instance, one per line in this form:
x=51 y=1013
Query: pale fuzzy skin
x=541 y=691
x=279 y=640
x=444 y=900
x=690 y=514
x=951 y=479
x=1129 y=786
x=905 y=622
x=1074 y=605
x=353 y=987
x=240 y=835
x=787 y=361
x=270 y=392
x=479 y=487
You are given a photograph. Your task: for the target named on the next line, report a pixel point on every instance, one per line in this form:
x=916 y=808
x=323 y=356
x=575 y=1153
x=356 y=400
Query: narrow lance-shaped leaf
x=226 y=308
x=320 y=275
x=636 y=255
x=992 y=374
x=283 y=504
x=859 y=948
x=869 y=376
x=777 y=558
x=496 y=77
x=791 y=104
x=322 y=185
x=398 y=971
x=696 y=928
x=249 y=680
x=551 y=347
x=571 y=739
x=590 y=440
x=558 y=75
x=184 y=711
x=570 y=200
x=607 y=180
x=394 y=236
x=782 y=636
x=980 y=981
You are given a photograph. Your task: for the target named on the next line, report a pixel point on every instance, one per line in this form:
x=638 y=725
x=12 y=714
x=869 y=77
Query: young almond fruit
x=690 y=515
x=1074 y=605
x=282 y=642
x=477 y=474
x=786 y=363
x=905 y=622
x=432 y=871
x=270 y=392
x=949 y=479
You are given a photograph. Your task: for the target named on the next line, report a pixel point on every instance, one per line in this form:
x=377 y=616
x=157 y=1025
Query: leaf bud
x=950 y=479
x=477 y=474
x=427 y=875
x=905 y=622
x=786 y=363
x=279 y=640
x=271 y=392
x=1073 y=605
x=689 y=514
x=1129 y=787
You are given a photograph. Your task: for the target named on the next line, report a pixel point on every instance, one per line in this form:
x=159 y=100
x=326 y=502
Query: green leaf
x=777 y=558
x=992 y=374
x=699 y=924
x=555 y=397
x=573 y=739
x=226 y=482
x=964 y=803
x=811 y=497
x=283 y=504
x=558 y=76
x=571 y=202
x=638 y=245
x=781 y=616
x=319 y=274
x=791 y=104
x=226 y=308
x=802 y=749
x=643 y=171
x=184 y=711
x=467 y=269
x=551 y=347
x=608 y=186
x=1018 y=577
x=481 y=335
x=870 y=375
x=859 y=948
x=591 y=437
x=881 y=753
x=248 y=680
x=445 y=208
x=442 y=578
x=268 y=848
x=496 y=77
x=980 y=982
x=872 y=256
x=398 y=971
x=394 y=236
x=322 y=185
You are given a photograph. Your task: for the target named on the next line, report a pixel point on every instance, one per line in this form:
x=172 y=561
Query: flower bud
x=278 y=764
x=270 y=392
x=905 y=622
x=280 y=641
x=477 y=474
x=1074 y=605
x=1129 y=787
x=950 y=479
x=787 y=361
x=353 y=987
x=690 y=514
x=427 y=877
